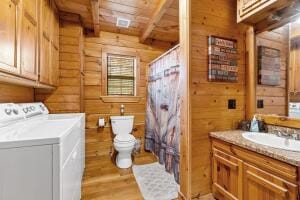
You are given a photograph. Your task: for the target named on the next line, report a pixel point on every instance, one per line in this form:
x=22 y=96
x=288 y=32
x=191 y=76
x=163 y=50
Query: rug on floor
x=154 y=182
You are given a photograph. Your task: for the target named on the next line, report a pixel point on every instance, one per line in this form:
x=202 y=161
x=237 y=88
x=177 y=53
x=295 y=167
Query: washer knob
x=15 y=111
x=8 y=111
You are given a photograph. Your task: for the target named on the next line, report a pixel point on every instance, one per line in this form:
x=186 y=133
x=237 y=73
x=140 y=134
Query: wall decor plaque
x=268 y=66
x=222 y=59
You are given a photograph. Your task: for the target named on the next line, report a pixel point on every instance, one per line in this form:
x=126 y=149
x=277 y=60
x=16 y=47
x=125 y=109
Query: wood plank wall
x=275 y=97
x=15 y=94
x=209 y=100
x=67 y=97
x=99 y=140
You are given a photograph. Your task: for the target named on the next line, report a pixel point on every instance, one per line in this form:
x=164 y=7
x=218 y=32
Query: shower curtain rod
x=162 y=55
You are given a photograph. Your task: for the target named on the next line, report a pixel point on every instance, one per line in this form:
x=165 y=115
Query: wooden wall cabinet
x=49 y=38
x=242 y=174
x=29 y=41
x=8 y=36
x=254 y=11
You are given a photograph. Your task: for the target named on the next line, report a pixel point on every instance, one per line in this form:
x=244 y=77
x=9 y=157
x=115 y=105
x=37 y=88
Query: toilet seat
x=124 y=139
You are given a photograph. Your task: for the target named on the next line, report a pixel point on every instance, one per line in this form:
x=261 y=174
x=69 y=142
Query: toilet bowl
x=124 y=142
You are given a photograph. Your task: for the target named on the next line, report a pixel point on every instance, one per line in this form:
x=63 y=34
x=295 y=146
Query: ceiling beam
x=156 y=17
x=95 y=14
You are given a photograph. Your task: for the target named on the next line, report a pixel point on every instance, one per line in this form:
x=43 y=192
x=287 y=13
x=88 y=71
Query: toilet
x=124 y=141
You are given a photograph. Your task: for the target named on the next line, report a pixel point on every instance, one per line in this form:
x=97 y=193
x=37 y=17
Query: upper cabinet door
x=55 y=31
x=257 y=12
x=8 y=36
x=28 y=49
x=54 y=70
x=45 y=56
x=45 y=45
x=29 y=39
x=30 y=6
x=45 y=19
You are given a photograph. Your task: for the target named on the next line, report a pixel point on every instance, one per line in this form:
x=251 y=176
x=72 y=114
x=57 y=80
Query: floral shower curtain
x=163 y=105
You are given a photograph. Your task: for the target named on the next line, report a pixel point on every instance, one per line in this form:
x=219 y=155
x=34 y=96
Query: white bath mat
x=154 y=182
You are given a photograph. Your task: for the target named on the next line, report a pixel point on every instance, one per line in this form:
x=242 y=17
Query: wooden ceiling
x=150 y=19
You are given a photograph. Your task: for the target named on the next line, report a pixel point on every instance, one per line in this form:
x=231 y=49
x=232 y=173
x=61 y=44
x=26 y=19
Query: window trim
x=105 y=53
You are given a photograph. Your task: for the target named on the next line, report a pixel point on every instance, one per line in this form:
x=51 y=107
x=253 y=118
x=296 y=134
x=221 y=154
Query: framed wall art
x=268 y=66
x=222 y=59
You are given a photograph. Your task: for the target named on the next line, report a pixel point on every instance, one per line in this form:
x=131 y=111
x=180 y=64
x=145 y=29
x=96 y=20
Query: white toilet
x=124 y=142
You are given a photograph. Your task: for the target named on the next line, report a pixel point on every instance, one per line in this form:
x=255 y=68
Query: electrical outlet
x=231 y=104
x=260 y=103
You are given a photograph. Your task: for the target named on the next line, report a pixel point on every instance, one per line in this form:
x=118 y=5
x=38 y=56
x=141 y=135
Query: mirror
x=278 y=71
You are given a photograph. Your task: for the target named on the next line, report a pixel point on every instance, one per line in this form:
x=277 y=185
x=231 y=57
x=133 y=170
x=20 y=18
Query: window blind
x=120 y=75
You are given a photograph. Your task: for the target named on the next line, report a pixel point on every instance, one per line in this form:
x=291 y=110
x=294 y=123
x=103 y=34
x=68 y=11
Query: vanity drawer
x=277 y=167
x=259 y=184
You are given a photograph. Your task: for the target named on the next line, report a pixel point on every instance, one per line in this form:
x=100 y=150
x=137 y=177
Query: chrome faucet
x=122 y=109
x=280 y=133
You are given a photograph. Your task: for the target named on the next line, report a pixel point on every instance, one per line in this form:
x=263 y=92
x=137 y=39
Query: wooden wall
x=209 y=99
x=99 y=140
x=15 y=94
x=67 y=96
x=275 y=97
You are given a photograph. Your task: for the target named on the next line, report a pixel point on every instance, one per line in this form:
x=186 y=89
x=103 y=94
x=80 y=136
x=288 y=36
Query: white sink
x=272 y=140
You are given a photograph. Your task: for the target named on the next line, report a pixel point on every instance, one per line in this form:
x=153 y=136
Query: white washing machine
x=41 y=154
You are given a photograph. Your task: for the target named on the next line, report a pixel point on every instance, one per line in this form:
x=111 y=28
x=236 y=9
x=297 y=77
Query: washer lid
x=124 y=138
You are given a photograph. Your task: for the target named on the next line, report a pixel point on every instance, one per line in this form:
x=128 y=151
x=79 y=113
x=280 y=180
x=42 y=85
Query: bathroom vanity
x=247 y=170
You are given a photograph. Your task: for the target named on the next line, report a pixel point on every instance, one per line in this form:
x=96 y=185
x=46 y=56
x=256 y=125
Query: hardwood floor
x=103 y=180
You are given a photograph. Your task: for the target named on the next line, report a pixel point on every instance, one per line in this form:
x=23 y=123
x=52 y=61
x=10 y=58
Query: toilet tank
x=122 y=124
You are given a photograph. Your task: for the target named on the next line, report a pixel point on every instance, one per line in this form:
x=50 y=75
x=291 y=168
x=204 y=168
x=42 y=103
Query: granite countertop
x=235 y=137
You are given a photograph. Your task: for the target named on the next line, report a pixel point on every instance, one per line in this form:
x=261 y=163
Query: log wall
x=15 y=94
x=209 y=100
x=99 y=140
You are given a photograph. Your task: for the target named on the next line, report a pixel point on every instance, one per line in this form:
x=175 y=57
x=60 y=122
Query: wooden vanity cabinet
x=242 y=174
x=227 y=175
x=8 y=36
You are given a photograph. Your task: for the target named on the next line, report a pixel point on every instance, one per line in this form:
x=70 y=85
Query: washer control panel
x=10 y=112
x=33 y=109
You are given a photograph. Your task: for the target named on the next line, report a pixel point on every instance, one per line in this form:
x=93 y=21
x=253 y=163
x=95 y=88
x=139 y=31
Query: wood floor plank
x=103 y=180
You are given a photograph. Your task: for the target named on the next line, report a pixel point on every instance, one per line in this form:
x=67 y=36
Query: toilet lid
x=124 y=138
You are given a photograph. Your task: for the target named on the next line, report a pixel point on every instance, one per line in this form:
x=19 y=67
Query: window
x=121 y=71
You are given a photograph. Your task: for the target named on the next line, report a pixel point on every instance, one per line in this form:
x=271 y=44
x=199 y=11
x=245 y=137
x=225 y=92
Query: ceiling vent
x=123 y=23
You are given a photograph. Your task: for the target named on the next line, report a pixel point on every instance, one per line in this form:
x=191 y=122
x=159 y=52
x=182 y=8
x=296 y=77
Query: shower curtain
x=163 y=106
